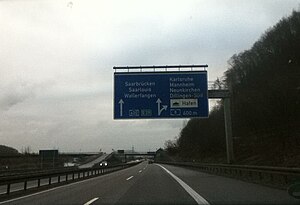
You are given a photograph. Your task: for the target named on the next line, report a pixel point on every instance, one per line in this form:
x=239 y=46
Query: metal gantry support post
x=225 y=96
x=228 y=130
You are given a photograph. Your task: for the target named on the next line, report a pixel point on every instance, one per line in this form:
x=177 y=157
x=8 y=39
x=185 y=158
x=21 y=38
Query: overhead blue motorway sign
x=148 y=95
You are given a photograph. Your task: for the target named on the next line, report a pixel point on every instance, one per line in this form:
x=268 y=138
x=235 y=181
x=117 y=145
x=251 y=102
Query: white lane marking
x=199 y=199
x=91 y=201
x=129 y=178
x=140 y=171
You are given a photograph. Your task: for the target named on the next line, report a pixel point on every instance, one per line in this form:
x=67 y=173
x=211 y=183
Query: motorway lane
x=223 y=190
x=150 y=184
x=113 y=185
x=155 y=186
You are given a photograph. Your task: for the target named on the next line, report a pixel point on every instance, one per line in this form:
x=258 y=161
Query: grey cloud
x=14 y=94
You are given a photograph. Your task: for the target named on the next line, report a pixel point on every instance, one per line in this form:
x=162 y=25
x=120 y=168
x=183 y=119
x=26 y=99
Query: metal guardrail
x=69 y=175
x=9 y=173
x=278 y=177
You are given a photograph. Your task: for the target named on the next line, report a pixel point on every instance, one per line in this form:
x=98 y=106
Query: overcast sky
x=56 y=60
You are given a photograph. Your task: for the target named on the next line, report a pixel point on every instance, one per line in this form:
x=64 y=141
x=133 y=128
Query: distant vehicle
x=70 y=164
x=150 y=161
x=103 y=164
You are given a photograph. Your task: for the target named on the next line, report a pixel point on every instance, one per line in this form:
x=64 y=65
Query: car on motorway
x=103 y=164
x=150 y=161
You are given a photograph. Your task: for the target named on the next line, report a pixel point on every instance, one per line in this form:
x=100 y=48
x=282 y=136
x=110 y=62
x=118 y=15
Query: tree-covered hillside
x=7 y=151
x=265 y=86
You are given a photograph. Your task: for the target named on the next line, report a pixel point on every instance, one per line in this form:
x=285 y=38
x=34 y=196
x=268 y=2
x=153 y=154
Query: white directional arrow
x=121 y=102
x=158 y=101
x=159 y=110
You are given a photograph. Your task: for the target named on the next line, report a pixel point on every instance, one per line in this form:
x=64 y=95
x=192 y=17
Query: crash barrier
x=37 y=180
x=8 y=173
x=278 y=177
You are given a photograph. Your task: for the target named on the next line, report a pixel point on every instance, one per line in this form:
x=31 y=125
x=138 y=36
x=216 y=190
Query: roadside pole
x=228 y=130
x=41 y=161
x=225 y=96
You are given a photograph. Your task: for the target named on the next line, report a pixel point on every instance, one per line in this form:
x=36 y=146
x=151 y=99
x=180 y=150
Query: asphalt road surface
x=158 y=184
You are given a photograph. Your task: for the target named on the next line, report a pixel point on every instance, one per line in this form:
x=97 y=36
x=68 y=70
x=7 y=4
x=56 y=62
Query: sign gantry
x=154 y=92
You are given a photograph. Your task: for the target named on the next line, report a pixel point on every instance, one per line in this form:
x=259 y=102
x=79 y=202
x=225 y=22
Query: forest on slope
x=8 y=151
x=264 y=82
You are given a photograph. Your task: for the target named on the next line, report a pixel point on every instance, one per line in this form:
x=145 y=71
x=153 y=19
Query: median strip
x=199 y=199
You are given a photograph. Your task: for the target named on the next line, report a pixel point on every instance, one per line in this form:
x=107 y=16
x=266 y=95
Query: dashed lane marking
x=91 y=201
x=129 y=178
